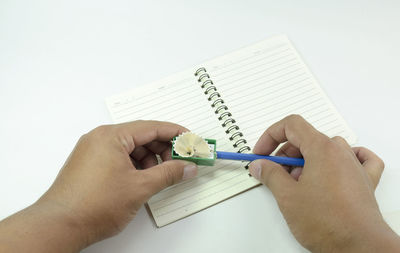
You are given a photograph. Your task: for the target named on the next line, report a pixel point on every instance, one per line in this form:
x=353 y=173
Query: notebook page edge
x=160 y=224
x=353 y=137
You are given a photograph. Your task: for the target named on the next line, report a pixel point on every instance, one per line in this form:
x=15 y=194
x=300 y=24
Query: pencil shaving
x=189 y=144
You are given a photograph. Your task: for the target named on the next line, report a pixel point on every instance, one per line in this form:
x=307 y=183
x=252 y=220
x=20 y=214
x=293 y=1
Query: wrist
x=67 y=224
x=378 y=237
x=384 y=239
x=43 y=227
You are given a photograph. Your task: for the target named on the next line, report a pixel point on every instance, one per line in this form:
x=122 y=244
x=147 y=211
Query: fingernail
x=255 y=169
x=189 y=171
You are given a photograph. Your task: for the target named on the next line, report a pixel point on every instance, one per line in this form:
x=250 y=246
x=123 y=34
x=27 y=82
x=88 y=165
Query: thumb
x=168 y=173
x=273 y=175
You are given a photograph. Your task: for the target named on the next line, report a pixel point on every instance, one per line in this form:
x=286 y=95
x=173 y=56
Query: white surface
x=393 y=218
x=60 y=59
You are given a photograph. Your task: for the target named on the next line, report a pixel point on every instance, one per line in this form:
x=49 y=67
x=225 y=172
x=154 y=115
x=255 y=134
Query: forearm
x=41 y=228
x=377 y=238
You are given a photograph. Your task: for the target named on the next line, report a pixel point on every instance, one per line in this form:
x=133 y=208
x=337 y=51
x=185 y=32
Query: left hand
x=99 y=189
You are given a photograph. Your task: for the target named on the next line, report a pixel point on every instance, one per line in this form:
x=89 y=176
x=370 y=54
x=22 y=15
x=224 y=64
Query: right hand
x=329 y=204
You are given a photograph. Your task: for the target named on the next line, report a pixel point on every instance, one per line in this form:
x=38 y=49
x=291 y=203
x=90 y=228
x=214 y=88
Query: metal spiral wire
x=222 y=110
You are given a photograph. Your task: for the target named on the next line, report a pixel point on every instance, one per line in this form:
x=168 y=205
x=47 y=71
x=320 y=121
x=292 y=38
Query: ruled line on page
x=141 y=99
x=242 y=61
x=259 y=62
x=277 y=117
x=228 y=186
x=260 y=84
x=256 y=64
x=268 y=87
x=260 y=71
x=276 y=108
x=196 y=190
x=190 y=184
x=161 y=101
x=233 y=90
x=289 y=83
x=181 y=106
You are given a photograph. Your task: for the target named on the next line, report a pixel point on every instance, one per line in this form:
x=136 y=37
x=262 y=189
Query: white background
x=60 y=59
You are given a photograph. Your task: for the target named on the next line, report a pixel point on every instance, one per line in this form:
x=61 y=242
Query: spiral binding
x=221 y=109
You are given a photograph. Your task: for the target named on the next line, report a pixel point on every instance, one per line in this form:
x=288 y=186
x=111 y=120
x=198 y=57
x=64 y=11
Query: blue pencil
x=299 y=162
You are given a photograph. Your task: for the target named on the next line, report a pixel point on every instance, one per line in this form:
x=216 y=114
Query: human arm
x=329 y=204
x=99 y=189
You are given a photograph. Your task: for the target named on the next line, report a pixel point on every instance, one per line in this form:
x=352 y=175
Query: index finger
x=371 y=162
x=141 y=132
x=294 y=129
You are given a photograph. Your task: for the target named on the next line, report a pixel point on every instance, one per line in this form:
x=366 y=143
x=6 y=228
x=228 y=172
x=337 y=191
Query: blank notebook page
x=267 y=81
x=179 y=99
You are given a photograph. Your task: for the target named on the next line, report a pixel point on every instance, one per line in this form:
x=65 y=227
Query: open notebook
x=233 y=99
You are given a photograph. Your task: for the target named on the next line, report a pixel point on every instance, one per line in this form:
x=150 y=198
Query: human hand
x=99 y=189
x=329 y=204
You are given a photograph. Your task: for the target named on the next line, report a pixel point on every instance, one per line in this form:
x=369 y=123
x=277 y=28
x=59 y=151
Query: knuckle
x=99 y=133
x=169 y=175
x=139 y=121
x=381 y=164
x=295 y=124
x=100 y=130
x=84 y=137
x=338 y=138
x=330 y=146
x=361 y=149
x=284 y=150
x=269 y=174
x=319 y=142
x=294 y=118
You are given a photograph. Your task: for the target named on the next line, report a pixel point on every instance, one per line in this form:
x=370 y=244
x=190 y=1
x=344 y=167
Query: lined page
x=263 y=83
x=180 y=99
x=260 y=84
